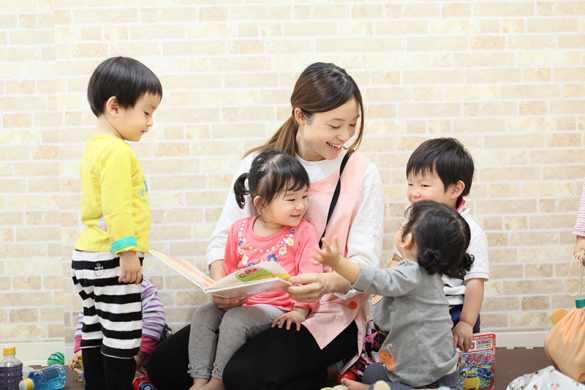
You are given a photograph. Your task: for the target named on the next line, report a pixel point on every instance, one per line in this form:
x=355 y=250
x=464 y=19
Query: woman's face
x=324 y=134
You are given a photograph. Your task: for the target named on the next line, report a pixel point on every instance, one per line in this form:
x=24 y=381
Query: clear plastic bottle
x=51 y=378
x=10 y=370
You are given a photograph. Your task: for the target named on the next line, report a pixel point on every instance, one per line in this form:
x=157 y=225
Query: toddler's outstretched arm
x=329 y=255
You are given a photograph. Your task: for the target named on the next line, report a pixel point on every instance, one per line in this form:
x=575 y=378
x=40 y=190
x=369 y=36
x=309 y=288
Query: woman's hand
x=228 y=303
x=579 y=246
x=310 y=287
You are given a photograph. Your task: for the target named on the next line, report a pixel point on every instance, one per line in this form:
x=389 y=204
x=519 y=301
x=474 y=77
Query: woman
x=326 y=109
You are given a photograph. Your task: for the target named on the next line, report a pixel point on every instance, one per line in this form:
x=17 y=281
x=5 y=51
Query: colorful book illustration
x=252 y=280
x=478 y=365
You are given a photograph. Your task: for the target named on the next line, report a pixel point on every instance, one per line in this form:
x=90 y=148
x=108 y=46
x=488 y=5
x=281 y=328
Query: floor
x=510 y=364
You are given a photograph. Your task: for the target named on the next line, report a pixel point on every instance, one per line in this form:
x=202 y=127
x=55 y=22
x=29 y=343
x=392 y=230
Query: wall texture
x=507 y=79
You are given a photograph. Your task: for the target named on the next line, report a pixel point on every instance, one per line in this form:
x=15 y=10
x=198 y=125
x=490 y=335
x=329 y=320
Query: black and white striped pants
x=112 y=311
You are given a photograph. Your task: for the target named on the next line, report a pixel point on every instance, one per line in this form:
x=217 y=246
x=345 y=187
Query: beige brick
x=574 y=90
x=488 y=43
x=479 y=125
x=356 y=45
x=503 y=75
x=533 y=108
x=502 y=255
x=23 y=315
x=503 y=272
x=569 y=74
x=217 y=165
x=539 y=270
x=515 y=222
x=473 y=59
x=22 y=331
x=356 y=28
x=492 y=223
x=533 y=254
x=536 y=75
x=466 y=93
x=503 y=9
x=554 y=8
x=529 y=238
x=435 y=77
x=437 y=43
x=535 y=124
x=567 y=107
x=412 y=11
x=490 y=26
x=562 y=173
x=500 y=190
x=454 y=26
x=376 y=111
x=456 y=10
x=507 y=206
x=530 y=319
x=533 y=91
x=563 y=140
x=552 y=25
x=428 y=110
x=489 y=109
x=214 y=14
x=367 y=11
x=531 y=42
x=491 y=321
x=564 y=58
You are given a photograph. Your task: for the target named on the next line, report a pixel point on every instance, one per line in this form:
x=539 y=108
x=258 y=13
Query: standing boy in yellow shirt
x=107 y=262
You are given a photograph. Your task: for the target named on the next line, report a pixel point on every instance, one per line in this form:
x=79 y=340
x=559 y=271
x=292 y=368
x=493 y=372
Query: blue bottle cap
x=580 y=303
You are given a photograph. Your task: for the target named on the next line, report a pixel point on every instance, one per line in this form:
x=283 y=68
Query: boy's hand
x=462 y=336
x=130 y=268
x=328 y=255
x=75 y=359
x=292 y=317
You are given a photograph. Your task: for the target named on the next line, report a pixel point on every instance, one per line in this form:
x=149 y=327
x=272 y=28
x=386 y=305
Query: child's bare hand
x=130 y=268
x=292 y=317
x=462 y=336
x=328 y=255
x=75 y=359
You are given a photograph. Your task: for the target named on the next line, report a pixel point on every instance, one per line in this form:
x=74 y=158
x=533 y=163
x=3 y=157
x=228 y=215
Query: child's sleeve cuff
x=122 y=243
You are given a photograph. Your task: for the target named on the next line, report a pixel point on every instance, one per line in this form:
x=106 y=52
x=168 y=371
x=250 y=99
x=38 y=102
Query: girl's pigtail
x=430 y=260
x=466 y=265
x=240 y=189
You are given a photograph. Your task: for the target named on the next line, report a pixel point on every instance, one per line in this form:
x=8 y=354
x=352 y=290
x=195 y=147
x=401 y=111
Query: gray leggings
x=217 y=334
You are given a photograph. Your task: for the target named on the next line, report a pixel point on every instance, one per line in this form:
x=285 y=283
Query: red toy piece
x=348 y=374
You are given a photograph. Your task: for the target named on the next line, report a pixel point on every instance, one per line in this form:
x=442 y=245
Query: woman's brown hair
x=321 y=87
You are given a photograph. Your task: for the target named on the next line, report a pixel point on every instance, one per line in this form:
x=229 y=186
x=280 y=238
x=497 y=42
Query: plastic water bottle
x=10 y=370
x=51 y=378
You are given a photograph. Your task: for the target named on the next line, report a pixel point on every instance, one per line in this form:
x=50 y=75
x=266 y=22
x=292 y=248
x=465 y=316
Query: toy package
x=479 y=363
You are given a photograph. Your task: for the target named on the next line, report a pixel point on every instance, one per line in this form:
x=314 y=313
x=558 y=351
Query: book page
x=248 y=281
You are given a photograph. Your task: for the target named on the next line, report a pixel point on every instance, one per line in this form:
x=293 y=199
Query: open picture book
x=252 y=280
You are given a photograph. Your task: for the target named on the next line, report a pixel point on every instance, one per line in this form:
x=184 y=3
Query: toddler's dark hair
x=123 y=77
x=271 y=173
x=445 y=156
x=441 y=236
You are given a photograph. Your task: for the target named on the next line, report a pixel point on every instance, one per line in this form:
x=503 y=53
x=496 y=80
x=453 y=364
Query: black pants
x=107 y=373
x=275 y=359
x=281 y=359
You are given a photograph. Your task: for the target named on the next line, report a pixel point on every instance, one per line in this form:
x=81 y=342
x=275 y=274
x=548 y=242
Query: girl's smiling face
x=323 y=135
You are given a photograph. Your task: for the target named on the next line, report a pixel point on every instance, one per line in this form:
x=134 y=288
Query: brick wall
x=506 y=78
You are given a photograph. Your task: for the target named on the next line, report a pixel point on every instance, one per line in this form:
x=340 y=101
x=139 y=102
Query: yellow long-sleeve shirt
x=114 y=198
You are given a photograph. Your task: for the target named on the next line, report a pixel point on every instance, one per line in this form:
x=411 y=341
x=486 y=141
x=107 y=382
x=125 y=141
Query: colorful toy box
x=477 y=366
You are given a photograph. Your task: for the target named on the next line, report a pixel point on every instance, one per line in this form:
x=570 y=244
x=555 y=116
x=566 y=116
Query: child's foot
x=381 y=385
x=353 y=385
x=214 y=384
x=198 y=383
